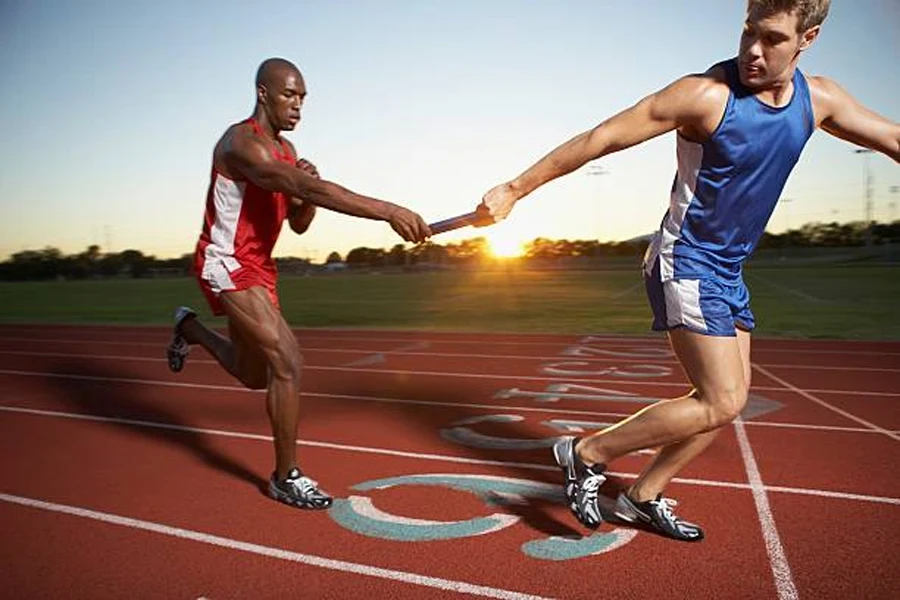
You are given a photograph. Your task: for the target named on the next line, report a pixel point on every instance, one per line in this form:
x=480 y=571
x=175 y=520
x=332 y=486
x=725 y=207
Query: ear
x=809 y=36
x=261 y=94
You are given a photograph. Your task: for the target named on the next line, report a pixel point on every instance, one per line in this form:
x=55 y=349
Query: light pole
x=787 y=213
x=868 y=193
x=595 y=169
x=893 y=203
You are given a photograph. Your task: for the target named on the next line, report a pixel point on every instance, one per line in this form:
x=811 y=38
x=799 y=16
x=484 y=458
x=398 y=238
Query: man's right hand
x=409 y=225
x=497 y=203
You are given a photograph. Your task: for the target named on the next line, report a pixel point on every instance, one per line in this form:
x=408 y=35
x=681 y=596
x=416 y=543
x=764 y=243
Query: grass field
x=858 y=302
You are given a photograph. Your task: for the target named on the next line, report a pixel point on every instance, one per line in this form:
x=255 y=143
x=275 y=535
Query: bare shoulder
x=826 y=95
x=238 y=146
x=698 y=101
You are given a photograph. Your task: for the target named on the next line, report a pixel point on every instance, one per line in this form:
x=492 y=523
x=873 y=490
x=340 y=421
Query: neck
x=779 y=92
x=259 y=114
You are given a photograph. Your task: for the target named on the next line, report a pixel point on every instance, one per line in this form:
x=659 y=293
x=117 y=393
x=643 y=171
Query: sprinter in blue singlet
x=740 y=128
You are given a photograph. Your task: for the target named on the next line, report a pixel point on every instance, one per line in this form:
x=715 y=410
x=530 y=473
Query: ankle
x=589 y=455
x=189 y=329
x=638 y=494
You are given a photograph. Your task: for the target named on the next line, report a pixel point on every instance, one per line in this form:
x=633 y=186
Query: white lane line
x=781 y=570
x=431 y=457
x=241 y=389
x=162 y=339
x=787 y=289
x=407 y=372
x=367 y=358
x=830 y=407
x=281 y=554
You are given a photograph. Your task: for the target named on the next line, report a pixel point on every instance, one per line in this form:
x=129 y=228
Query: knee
x=284 y=358
x=723 y=405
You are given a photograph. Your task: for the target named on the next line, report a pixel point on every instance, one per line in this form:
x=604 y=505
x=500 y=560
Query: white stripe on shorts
x=683 y=303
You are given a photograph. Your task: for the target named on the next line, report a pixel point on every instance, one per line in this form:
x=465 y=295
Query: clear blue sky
x=109 y=110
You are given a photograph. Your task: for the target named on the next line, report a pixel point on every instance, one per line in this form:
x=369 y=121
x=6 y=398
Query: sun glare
x=506 y=243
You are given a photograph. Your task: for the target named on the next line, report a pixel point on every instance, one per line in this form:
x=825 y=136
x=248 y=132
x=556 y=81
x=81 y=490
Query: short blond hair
x=809 y=12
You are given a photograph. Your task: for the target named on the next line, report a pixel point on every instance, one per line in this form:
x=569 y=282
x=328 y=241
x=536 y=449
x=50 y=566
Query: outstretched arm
x=248 y=156
x=838 y=113
x=686 y=104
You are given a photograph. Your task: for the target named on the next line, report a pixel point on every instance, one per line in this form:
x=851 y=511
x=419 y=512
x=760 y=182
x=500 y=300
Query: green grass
x=835 y=302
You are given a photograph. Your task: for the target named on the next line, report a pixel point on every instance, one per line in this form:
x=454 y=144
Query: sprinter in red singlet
x=256 y=184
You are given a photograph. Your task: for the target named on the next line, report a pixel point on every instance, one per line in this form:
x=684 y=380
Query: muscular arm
x=693 y=105
x=688 y=104
x=252 y=160
x=838 y=113
x=248 y=157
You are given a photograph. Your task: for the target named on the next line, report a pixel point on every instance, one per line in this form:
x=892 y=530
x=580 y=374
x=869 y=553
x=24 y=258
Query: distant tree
x=471 y=250
x=366 y=257
x=334 y=257
x=396 y=256
x=430 y=253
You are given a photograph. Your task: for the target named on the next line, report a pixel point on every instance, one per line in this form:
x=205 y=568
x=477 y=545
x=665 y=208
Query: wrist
x=517 y=188
x=387 y=210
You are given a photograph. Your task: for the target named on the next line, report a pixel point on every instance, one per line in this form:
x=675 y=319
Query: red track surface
x=124 y=480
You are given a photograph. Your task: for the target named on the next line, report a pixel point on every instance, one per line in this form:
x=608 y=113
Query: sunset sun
x=506 y=243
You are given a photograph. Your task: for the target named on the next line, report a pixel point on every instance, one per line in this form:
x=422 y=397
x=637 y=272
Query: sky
x=109 y=111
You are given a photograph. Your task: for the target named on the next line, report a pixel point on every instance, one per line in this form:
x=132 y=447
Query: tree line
x=51 y=263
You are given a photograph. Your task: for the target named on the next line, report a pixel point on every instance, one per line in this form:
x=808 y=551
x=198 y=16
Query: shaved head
x=280 y=91
x=273 y=71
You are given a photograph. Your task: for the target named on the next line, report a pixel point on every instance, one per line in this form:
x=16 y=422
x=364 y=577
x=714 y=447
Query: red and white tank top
x=242 y=220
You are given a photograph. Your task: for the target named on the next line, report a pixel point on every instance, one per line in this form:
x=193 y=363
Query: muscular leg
x=672 y=458
x=715 y=366
x=262 y=330
x=236 y=355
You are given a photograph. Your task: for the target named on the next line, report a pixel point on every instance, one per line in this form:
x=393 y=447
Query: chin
x=752 y=82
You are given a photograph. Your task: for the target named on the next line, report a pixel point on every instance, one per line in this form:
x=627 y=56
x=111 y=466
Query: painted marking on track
x=357 y=398
x=433 y=457
x=359 y=514
x=373 y=359
x=830 y=407
x=379 y=358
x=162 y=339
x=781 y=570
x=279 y=553
x=396 y=372
x=582 y=368
x=517 y=357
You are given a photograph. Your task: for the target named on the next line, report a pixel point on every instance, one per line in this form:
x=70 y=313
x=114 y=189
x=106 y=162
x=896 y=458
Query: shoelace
x=180 y=346
x=591 y=486
x=665 y=507
x=306 y=485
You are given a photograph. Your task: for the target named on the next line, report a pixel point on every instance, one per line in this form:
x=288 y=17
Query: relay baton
x=457 y=222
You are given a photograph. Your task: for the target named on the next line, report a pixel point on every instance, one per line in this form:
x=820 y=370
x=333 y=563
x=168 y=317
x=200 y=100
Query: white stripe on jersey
x=690 y=158
x=228 y=198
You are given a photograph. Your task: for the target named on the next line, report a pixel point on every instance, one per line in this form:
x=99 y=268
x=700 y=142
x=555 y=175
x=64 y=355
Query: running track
x=120 y=479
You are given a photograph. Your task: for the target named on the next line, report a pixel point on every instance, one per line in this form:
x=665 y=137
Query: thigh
x=250 y=360
x=257 y=325
x=713 y=364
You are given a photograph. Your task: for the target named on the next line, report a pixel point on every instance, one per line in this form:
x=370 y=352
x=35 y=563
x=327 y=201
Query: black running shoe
x=298 y=490
x=178 y=348
x=582 y=483
x=659 y=516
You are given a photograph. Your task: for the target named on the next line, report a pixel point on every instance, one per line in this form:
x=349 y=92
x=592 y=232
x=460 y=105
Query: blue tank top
x=726 y=188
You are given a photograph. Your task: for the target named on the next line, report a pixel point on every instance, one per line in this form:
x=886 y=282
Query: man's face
x=283 y=99
x=769 y=46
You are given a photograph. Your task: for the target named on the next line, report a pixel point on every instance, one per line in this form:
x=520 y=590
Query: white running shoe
x=178 y=348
